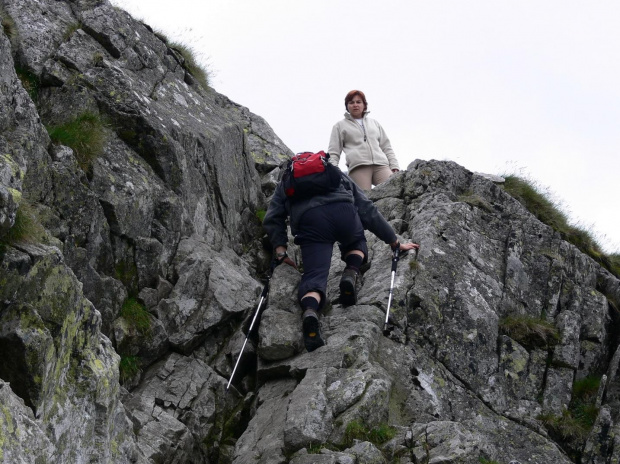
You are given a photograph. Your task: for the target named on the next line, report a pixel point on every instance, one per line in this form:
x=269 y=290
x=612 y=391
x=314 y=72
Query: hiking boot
x=312 y=333
x=348 y=287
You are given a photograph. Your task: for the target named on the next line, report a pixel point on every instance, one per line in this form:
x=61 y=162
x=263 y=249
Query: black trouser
x=320 y=228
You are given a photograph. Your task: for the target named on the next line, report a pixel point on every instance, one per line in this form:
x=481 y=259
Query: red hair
x=351 y=95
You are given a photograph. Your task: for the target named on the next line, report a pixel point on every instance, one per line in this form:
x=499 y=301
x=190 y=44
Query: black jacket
x=281 y=207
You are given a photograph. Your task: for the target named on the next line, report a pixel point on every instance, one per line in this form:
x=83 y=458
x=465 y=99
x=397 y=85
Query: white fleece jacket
x=361 y=146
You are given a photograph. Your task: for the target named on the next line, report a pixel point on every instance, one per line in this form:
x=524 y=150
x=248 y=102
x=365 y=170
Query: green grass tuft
x=30 y=82
x=614 y=263
x=71 y=29
x=486 y=461
x=27 y=227
x=573 y=427
x=355 y=430
x=191 y=64
x=537 y=203
x=583 y=402
x=85 y=134
x=314 y=449
x=161 y=36
x=128 y=367
x=476 y=201
x=564 y=427
x=531 y=332
x=549 y=212
x=127 y=273
x=586 y=388
x=137 y=316
x=98 y=59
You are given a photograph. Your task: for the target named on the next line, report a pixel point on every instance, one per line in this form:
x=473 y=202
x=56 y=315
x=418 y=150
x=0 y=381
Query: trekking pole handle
x=263 y=297
x=395 y=257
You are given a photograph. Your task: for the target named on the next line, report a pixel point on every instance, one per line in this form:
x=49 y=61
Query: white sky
x=530 y=87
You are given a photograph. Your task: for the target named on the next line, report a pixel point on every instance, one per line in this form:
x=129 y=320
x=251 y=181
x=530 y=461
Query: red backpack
x=308 y=174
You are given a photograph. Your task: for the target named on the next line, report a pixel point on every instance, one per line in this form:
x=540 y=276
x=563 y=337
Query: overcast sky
x=530 y=87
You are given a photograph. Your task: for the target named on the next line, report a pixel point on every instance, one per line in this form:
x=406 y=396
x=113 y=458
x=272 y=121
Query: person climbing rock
x=319 y=220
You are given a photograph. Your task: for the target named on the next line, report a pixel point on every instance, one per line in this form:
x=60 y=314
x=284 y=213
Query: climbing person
x=369 y=156
x=319 y=220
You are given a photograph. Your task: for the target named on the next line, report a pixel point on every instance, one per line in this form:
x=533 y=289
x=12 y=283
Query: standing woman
x=368 y=153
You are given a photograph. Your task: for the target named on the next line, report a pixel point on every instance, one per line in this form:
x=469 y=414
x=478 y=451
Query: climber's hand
x=282 y=257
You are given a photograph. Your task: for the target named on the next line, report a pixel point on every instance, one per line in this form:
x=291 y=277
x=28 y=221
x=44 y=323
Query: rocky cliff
x=131 y=255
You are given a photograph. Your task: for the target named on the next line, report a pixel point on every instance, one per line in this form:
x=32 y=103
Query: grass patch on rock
x=548 y=211
x=476 y=201
x=30 y=82
x=572 y=428
x=190 y=63
x=71 y=29
x=531 y=332
x=128 y=367
x=85 y=134
x=356 y=430
x=127 y=272
x=188 y=56
x=136 y=315
x=27 y=227
x=614 y=261
x=583 y=403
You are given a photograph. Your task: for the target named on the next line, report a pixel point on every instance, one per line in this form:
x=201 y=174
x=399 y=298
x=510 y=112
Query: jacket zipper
x=362 y=127
x=372 y=155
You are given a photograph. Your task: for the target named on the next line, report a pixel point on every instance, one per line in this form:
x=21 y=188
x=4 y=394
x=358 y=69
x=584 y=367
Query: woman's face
x=356 y=107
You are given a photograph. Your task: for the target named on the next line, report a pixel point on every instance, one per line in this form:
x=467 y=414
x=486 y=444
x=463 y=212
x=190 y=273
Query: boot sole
x=347 y=293
x=312 y=327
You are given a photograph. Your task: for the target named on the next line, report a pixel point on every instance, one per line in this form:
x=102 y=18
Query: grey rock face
x=56 y=360
x=23 y=439
x=177 y=410
x=21 y=137
x=170 y=168
x=165 y=216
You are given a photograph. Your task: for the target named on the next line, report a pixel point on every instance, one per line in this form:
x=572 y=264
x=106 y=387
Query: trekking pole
x=263 y=296
x=395 y=256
